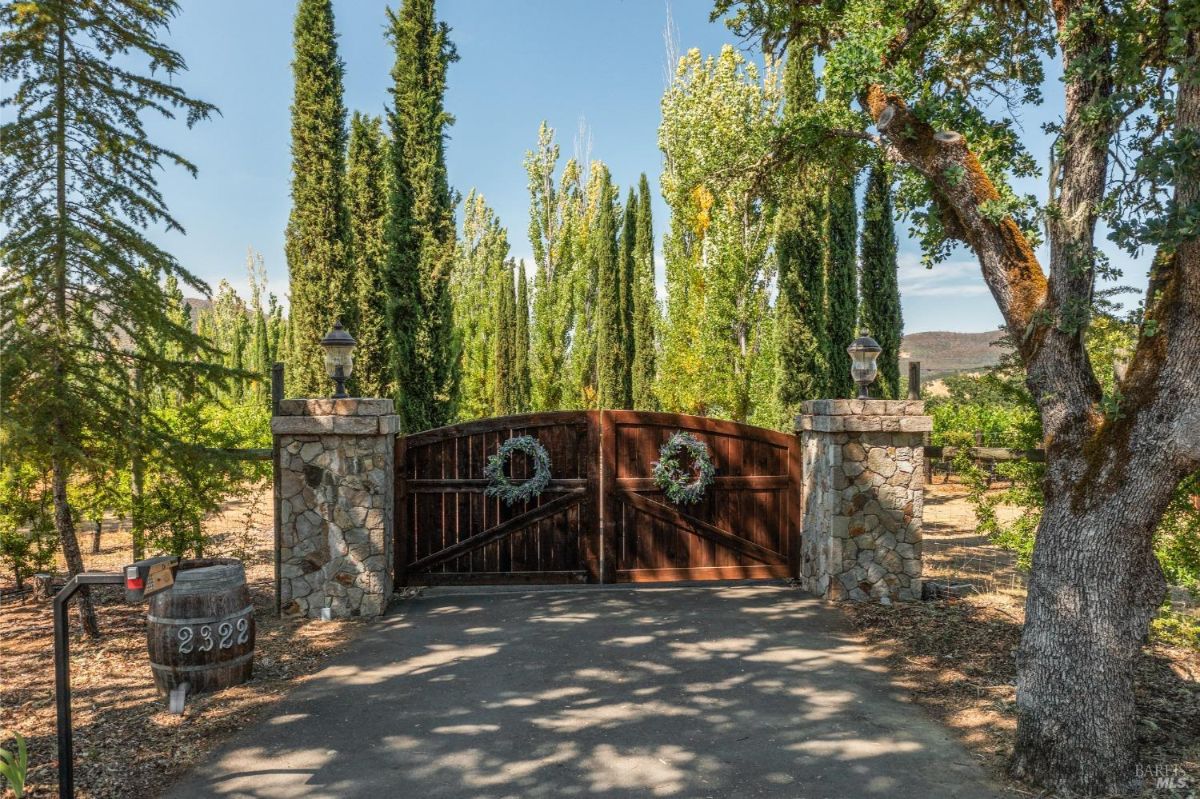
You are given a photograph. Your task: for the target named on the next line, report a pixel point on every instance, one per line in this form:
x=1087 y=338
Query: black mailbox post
x=137 y=579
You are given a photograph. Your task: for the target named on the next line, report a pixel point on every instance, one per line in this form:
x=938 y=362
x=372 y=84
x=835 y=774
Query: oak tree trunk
x=1095 y=583
x=1093 y=589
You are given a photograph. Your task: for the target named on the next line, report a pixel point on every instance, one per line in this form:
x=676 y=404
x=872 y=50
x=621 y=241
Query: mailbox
x=147 y=577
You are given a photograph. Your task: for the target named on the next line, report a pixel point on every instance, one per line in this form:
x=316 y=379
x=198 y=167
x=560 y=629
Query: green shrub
x=14 y=767
x=1176 y=629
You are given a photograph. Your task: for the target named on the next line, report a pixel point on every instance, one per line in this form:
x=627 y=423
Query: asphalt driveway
x=714 y=691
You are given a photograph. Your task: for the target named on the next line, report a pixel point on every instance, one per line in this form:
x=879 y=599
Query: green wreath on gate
x=684 y=487
x=501 y=486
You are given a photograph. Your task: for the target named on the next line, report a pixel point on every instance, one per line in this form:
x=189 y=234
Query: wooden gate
x=601 y=519
x=448 y=531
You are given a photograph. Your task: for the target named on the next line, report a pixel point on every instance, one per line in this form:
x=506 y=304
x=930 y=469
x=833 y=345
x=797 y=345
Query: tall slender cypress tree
x=841 y=281
x=880 y=290
x=82 y=298
x=366 y=197
x=321 y=278
x=628 y=270
x=645 y=306
x=522 y=339
x=420 y=228
x=605 y=265
x=800 y=247
x=504 y=363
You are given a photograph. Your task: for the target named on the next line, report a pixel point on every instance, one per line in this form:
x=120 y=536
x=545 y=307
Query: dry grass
x=123 y=734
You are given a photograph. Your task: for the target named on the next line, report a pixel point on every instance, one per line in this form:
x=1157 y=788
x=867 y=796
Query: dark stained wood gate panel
x=448 y=531
x=746 y=526
x=601 y=519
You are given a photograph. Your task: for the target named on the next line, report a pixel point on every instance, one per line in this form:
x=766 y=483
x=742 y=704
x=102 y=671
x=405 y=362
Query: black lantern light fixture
x=339 y=357
x=863 y=353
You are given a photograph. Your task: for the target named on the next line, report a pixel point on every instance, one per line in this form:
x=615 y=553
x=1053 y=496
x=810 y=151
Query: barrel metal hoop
x=238 y=661
x=209 y=620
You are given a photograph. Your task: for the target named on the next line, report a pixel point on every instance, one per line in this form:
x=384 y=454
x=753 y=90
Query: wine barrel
x=201 y=630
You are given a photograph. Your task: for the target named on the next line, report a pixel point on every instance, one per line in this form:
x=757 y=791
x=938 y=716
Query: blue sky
x=521 y=61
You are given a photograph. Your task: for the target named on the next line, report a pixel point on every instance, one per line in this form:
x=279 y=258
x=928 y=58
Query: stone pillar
x=336 y=461
x=864 y=489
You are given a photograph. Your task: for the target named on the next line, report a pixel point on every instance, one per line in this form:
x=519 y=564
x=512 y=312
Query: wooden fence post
x=914 y=380
x=276 y=398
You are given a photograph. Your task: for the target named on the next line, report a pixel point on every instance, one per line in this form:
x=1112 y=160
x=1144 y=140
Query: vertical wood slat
x=402 y=535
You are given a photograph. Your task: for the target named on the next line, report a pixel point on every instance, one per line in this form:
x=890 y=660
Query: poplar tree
x=420 y=227
x=605 y=264
x=841 y=282
x=880 y=290
x=645 y=306
x=627 y=265
x=260 y=346
x=482 y=251
x=554 y=220
x=522 y=339
x=717 y=252
x=589 y=247
x=321 y=278
x=800 y=245
x=366 y=197
x=82 y=298
x=504 y=370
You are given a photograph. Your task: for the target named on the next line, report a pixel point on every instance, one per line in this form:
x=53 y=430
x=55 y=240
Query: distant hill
x=942 y=353
x=197 y=304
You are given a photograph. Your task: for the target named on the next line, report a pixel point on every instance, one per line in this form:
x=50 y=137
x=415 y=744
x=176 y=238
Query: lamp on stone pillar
x=863 y=353
x=339 y=357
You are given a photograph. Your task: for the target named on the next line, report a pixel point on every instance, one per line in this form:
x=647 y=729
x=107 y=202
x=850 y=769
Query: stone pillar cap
x=857 y=407
x=353 y=406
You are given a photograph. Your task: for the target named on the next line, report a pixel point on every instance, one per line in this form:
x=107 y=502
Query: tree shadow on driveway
x=720 y=691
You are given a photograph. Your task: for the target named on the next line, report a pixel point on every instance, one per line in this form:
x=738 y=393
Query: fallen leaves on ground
x=957 y=658
x=125 y=740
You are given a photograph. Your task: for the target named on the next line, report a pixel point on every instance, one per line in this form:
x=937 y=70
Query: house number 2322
x=202 y=638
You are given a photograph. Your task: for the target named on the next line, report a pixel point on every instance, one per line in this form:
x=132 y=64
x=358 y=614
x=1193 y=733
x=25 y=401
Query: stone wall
x=336 y=476
x=864 y=481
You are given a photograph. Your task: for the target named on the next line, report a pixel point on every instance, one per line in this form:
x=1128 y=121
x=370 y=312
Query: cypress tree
x=321 y=279
x=800 y=314
x=367 y=196
x=606 y=266
x=420 y=227
x=645 y=306
x=522 y=339
x=83 y=298
x=628 y=268
x=880 y=290
x=504 y=369
x=841 y=281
